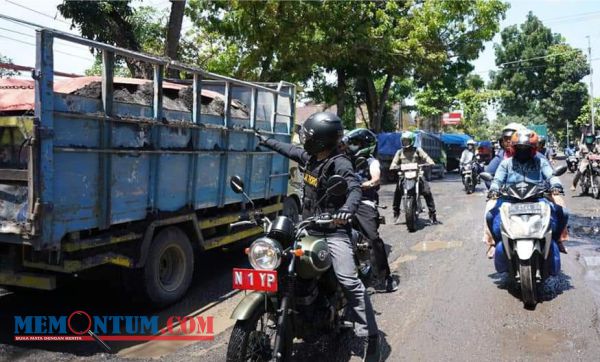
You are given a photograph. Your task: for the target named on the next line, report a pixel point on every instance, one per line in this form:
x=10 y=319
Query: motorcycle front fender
x=525 y=248
x=409 y=185
x=245 y=309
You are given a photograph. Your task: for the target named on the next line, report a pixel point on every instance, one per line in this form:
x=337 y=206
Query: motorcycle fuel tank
x=316 y=259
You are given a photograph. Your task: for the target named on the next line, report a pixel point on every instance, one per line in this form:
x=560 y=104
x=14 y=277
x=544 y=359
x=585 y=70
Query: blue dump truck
x=134 y=174
x=389 y=143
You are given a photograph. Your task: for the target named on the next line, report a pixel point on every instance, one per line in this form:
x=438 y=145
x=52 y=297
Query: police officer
x=362 y=143
x=320 y=135
x=411 y=154
x=584 y=150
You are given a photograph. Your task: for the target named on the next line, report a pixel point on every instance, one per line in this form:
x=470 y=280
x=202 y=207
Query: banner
x=452 y=118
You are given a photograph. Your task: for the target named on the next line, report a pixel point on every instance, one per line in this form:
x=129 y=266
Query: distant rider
x=362 y=143
x=411 y=154
x=587 y=147
x=570 y=150
x=528 y=165
x=320 y=135
x=468 y=154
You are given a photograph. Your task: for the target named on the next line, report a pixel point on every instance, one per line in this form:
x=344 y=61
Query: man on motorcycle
x=468 y=154
x=570 y=150
x=362 y=143
x=528 y=164
x=411 y=154
x=320 y=135
x=584 y=150
x=545 y=151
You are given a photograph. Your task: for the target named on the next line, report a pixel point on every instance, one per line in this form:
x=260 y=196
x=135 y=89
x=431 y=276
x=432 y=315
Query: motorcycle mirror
x=337 y=186
x=486 y=176
x=236 y=184
x=560 y=170
x=361 y=163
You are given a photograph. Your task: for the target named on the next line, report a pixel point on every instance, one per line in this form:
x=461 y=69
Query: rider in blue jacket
x=530 y=166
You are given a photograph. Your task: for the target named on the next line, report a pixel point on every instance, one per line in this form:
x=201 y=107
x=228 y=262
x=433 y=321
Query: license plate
x=256 y=280
x=524 y=209
x=410 y=174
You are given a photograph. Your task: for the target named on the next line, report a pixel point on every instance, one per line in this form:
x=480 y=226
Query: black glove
x=493 y=195
x=261 y=137
x=556 y=190
x=342 y=216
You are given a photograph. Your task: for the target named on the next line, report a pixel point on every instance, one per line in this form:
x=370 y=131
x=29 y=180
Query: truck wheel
x=291 y=209
x=168 y=271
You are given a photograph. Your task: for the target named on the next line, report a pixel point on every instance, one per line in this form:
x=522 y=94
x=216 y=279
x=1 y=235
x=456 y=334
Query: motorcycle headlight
x=265 y=254
x=594 y=164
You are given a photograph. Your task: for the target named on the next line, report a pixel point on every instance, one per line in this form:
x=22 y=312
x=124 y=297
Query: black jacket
x=340 y=165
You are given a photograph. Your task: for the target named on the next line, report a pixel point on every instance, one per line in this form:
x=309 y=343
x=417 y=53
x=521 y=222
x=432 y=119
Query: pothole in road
x=403 y=259
x=584 y=226
x=433 y=245
x=545 y=342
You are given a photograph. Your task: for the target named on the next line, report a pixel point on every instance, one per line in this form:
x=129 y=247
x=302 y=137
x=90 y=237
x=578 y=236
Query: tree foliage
x=540 y=74
x=368 y=44
x=7 y=73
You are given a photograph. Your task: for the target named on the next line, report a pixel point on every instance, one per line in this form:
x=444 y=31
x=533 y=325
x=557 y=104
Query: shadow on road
x=550 y=289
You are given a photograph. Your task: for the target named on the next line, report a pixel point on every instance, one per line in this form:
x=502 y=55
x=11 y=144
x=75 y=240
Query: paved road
x=451 y=304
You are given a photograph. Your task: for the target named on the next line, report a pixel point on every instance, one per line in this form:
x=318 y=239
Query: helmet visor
x=406 y=142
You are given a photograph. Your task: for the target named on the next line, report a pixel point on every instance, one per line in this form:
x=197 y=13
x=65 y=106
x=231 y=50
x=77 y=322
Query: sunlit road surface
x=451 y=305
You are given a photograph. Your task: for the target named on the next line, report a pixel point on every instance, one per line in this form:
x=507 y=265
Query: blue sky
x=573 y=19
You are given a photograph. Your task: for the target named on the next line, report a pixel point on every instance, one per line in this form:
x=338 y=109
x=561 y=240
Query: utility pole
x=591 y=84
x=567 y=132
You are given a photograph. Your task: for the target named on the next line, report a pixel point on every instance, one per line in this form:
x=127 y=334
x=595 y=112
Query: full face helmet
x=525 y=144
x=360 y=142
x=408 y=139
x=321 y=131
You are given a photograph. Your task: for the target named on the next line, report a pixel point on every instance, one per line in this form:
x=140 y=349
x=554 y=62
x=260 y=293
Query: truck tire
x=291 y=209
x=168 y=271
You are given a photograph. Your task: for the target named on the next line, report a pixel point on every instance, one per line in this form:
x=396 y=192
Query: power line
x=37 y=12
x=33 y=44
x=75 y=46
x=536 y=58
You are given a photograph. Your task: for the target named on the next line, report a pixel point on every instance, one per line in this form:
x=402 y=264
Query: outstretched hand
x=261 y=137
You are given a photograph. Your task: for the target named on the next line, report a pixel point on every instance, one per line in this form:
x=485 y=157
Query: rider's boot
x=372 y=349
x=433 y=218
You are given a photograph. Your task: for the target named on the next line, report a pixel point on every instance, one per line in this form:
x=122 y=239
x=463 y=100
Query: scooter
x=470 y=177
x=525 y=226
x=572 y=163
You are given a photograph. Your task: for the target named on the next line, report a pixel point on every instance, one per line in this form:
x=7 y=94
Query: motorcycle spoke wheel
x=253 y=339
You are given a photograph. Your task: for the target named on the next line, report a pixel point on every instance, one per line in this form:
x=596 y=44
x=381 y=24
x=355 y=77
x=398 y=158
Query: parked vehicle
x=526 y=236
x=389 y=143
x=409 y=177
x=572 y=163
x=590 y=180
x=92 y=180
x=295 y=293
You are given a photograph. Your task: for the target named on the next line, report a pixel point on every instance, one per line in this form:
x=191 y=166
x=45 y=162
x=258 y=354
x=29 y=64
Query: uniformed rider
x=362 y=143
x=409 y=153
x=321 y=159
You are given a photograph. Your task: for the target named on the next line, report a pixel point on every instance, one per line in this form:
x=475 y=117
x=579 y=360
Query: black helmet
x=321 y=131
x=360 y=142
x=571 y=144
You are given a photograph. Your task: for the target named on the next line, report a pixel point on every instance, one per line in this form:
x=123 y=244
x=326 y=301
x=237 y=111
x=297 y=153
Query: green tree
x=540 y=74
x=141 y=29
x=371 y=42
x=4 y=72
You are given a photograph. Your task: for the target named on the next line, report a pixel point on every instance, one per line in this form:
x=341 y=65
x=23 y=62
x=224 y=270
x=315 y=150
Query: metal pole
x=567 y=133
x=591 y=84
